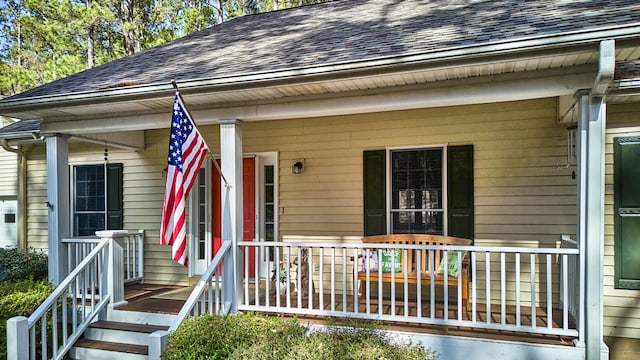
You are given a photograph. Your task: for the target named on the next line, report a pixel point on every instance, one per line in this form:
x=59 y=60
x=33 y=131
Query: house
x=8 y=192
x=512 y=123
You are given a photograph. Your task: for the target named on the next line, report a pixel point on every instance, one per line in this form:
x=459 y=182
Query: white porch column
x=58 y=204
x=591 y=220
x=232 y=227
x=591 y=129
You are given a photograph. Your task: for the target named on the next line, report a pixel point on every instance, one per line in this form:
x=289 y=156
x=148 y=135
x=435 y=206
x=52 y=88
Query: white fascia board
x=488 y=92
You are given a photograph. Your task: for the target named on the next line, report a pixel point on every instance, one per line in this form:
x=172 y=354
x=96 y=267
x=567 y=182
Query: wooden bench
x=425 y=268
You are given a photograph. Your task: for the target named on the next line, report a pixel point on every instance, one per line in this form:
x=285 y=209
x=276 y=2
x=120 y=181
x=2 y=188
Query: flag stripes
x=187 y=151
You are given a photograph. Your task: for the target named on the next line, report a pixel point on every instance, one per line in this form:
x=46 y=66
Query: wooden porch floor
x=168 y=299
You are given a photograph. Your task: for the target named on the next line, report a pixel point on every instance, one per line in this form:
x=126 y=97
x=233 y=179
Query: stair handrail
x=205 y=298
x=21 y=331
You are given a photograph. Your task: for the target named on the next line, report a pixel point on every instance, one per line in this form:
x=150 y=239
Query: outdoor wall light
x=297 y=167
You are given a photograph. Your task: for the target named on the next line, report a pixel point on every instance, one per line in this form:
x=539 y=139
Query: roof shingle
x=342 y=32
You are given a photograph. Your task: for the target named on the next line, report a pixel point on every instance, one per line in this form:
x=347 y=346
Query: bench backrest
x=425 y=265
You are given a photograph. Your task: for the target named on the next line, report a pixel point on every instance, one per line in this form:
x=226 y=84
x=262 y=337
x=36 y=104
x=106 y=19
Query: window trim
x=445 y=200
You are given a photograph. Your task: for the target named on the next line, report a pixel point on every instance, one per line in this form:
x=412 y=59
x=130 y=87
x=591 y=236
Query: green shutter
x=460 y=191
x=114 y=197
x=626 y=190
x=375 y=219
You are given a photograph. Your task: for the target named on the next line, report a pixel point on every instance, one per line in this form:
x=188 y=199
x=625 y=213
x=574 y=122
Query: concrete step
x=112 y=331
x=104 y=350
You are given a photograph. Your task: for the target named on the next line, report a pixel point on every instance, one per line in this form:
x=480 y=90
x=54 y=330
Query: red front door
x=249 y=208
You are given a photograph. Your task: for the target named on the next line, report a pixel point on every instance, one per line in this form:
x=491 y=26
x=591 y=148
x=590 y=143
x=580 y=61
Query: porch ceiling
x=232 y=98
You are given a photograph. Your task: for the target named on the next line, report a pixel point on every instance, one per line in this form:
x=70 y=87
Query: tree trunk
x=220 y=11
x=90 y=42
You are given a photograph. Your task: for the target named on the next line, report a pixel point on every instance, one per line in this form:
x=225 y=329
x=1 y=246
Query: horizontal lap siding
x=9 y=178
x=522 y=189
x=621 y=306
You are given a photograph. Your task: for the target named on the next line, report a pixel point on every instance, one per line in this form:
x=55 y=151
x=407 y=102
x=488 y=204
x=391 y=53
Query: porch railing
x=92 y=287
x=207 y=297
x=512 y=288
x=573 y=279
x=132 y=253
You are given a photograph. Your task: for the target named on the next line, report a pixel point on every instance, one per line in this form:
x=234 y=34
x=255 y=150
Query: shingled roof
x=341 y=32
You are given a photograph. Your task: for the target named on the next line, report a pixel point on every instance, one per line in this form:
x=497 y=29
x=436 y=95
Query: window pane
x=88 y=223
x=417 y=222
x=89 y=188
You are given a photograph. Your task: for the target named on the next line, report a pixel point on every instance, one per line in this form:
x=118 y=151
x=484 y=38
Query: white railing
x=512 y=288
x=92 y=287
x=132 y=251
x=573 y=279
x=208 y=297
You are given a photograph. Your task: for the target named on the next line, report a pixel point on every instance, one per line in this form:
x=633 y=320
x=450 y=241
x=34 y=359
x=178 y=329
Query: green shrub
x=217 y=337
x=16 y=265
x=20 y=298
x=267 y=338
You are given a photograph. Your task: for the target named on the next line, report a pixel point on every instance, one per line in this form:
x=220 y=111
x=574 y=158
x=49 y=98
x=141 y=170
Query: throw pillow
x=452 y=264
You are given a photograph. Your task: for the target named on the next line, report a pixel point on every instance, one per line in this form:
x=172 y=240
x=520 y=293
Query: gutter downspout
x=592 y=129
x=22 y=193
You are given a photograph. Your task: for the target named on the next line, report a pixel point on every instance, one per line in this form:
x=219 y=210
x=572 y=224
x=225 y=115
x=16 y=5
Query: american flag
x=187 y=151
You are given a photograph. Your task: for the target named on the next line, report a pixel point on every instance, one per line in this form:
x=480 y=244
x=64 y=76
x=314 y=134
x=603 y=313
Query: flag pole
x=215 y=163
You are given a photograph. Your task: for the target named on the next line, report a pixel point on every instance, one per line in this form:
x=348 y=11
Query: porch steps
x=128 y=340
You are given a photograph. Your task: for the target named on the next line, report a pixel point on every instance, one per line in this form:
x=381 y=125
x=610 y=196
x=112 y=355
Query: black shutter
x=375 y=219
x=460 y=191
x=114 y=197
x=626 y=172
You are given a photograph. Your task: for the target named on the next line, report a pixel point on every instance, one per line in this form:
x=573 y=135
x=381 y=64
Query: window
x=97 y=198
x=269 y=205
x=416 y=191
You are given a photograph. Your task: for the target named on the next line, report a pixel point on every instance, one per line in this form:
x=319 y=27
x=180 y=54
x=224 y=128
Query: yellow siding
x=523 y=191
x=621 y=307
x=9 y=174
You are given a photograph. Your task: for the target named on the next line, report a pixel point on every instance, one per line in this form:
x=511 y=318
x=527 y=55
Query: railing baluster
x=344 y=279
x=487 y=265
x=432 y=286
x=445 y=274
x=518 y=289
x=503 y=289
x=54 y=329
x=32 y=341
x=43 y=336
x=321 y=275
x=380 y=288
x=333 y=279
x=256 y=275
x=405 y=270
x=549 y=293
x=367 y=267
x=355 y=285
x=532 y=261
x=474 y=288
x=299 y=278
x=288 y=286
x=276 y=276
x=310 y=279
x=245 y=253
x=565 y=312
x=459 y=259
x=393 y=281
x=418 y=284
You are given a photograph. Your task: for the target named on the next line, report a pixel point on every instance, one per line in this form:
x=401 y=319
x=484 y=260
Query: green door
x=627 y=212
